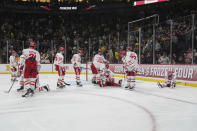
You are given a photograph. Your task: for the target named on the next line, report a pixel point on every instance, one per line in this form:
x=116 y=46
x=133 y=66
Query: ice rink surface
x=92 y=108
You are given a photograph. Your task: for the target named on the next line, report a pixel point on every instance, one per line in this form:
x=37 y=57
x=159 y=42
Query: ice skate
x=159 y=85
x=173 y=85
x=93 y=82
x=101 y=85
x=127 y=87
x=29 y=92
x=46 y=87
x=79 y=84
x=60 y=85
x=131 y=87
x=20 y=89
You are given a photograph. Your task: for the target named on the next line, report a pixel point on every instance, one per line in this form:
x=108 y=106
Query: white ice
x=92 y=108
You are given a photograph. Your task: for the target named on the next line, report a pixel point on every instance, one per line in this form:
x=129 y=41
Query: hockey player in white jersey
x=31 y=68
x=59 y=67
x=170 y=80
x=76 y=62
x=13 y=65
x=130 y=64
x=97 y=65
x=21 y=74
x=107 y=78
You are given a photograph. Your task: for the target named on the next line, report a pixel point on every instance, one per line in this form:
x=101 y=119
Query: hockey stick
x=67 y=84
x=84 y=68
x=11 y=85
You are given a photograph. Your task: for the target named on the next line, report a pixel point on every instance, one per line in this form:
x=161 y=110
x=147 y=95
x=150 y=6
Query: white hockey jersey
x=13 y=62
x=21 y=61
x=170 y=78
x=59 y=60
x=76 y=60
x=131 y=61
x=32 y=53
x=124 y=63
x=98 y=59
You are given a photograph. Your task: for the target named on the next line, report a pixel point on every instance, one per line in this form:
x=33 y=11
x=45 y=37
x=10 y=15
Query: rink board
x=186 y=74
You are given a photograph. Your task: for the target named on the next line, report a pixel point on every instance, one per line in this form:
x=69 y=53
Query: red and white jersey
x=131 y=61
x=59 y=60
x=98 y=59
x=124 y=62
x=76 y=60
x=21 y=61
x=170 y=78
x=108 y=73
x=27 y=53
x=13 y=62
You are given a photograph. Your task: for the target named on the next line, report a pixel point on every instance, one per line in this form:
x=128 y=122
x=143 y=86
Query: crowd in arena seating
x=89 y=32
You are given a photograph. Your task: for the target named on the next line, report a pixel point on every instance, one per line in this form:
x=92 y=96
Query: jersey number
x=32 y=55
x=132 y=56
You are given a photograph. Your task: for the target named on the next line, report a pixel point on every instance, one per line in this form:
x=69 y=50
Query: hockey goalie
x=107 y=77
x=170 y=80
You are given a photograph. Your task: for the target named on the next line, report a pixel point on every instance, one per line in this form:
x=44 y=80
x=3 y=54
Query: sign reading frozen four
x=184 y=72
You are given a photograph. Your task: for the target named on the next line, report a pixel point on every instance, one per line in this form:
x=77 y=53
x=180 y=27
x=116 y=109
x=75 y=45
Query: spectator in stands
x=195 y=56
x=149 y=58
x=187 y=61
x=157 y=46
x=158 y=55
x=143 y=61
x=174 y=59
x=180 y=60
x=164 y=59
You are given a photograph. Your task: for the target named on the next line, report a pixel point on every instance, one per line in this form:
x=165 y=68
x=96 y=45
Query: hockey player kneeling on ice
x=130 y=65
x=107 y=78
x=31 y=68
x=170 y=80
x=59 y=67
x=76 y=62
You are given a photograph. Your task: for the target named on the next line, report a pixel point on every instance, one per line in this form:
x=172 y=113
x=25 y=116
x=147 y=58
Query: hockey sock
x=128 y=80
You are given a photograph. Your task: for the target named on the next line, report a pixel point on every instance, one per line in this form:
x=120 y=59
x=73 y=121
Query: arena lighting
x=144 y=2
